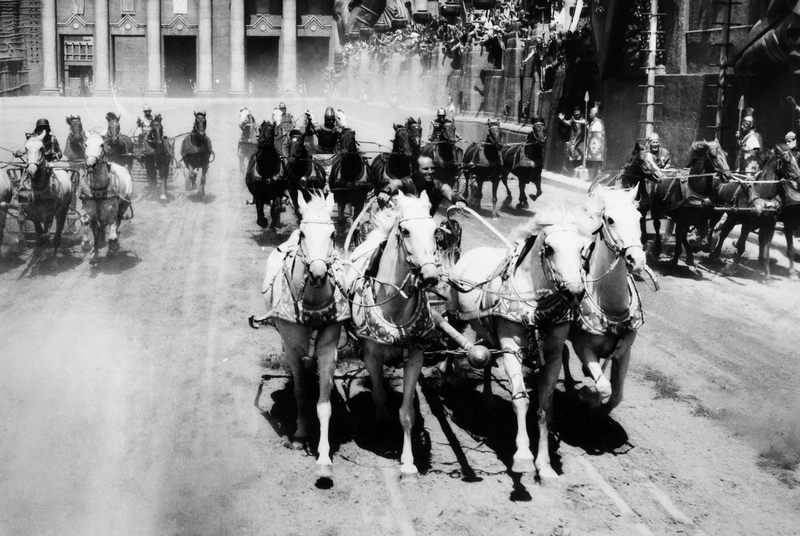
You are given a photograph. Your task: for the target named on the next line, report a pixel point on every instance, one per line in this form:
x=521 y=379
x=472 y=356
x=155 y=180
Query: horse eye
x=611 y=221
x=548 y=251
x=406 y=233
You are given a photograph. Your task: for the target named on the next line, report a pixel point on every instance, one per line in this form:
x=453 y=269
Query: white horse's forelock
x=316 y=208
x=546 y=216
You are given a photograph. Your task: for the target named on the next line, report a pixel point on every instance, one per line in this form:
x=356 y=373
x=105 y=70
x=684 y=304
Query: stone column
x=205 y=73
x=155 y=87
x=49 y=48
x=238 y=82
x=288 y=59
x=101 y=78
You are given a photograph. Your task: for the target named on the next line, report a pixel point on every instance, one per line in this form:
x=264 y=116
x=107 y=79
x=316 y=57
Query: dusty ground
x=134 y=402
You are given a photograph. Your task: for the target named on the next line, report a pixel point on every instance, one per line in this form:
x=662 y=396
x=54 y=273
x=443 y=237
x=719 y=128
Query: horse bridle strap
x=547 y=265
x=409 y=257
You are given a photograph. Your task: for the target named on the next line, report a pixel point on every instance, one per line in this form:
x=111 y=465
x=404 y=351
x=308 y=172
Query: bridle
x=611 y=242
x=415 y=267
x=303 y=254
x=545 y=253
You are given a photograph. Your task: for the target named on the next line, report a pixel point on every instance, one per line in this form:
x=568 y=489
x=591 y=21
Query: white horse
x=508 y=295
x=611 y=310
x=105 y=191
x=304 y=294
x=391 y=313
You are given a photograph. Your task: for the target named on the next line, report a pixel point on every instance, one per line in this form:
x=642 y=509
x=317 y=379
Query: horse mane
x=699 y=149
x=72 y=118
x=156 y=119
x=384 y=223
x=316 y=205
x=546 y=216
x=112 y=115
x=411 y=121
x=406 y=205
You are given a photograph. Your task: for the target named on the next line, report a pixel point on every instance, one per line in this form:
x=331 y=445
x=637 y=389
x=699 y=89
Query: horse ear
x=78 y=117
x=68 y=120
x=301 y=203
x=419 y=120
x=424 y=197
x=329 y=202
x=395 y=127
x=632 y=193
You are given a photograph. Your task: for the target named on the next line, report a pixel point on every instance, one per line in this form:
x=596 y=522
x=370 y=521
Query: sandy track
x=129 y=394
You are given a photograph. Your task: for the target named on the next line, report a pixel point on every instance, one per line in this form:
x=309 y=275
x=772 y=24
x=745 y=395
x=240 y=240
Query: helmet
x=440 y=112
x=42 y=123
x=282 y=107
x=654 y=137
x=330 y=114
x=790 y=136
x=146 y=108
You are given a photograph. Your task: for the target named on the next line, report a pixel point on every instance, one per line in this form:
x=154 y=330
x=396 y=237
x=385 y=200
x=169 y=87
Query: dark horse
x=526 y=162
x=641 y=172
x=397 y=164
x=264 y=177
x=44 y=194
x=73 y=148
x=483 y=162
x=688 y=197
x=157 y=155
x=760 y=203
x=414 y=127
x=790 y=217
x=446 y=155
x=351 y=178
x=301 y=171
x=248 y=143
x=196 y=153
x=118 y=147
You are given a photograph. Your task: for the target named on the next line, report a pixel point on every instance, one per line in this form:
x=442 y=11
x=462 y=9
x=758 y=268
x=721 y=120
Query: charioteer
x=328 y=133
x=662 y=155
x=437 y=125
x=422 y=181
x=52 y=151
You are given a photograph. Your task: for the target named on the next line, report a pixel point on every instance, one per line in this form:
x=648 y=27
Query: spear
x=586 y=129
x=741 y=109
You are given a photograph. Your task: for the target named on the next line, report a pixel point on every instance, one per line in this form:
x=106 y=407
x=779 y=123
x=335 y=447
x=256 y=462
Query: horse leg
x=765 y=236
x=788 y=231
x=374 y=366
x=113 y=237
x=509 y=198
x=489 y=403
x=203 y=172
x=275 y=212
x=689 y=253
x=569 y=380
x=41 y=240
x=523 y=457
x=86 y=222
x=342 y=203
x=584 y=346
x=495 y=185
x=681 y=229
x=260 y=219
x=61 y=219
x=293 y=353
x=619 y=370
x=411 y=371
x=724 y=230
x=326 y=363
x=548 y=378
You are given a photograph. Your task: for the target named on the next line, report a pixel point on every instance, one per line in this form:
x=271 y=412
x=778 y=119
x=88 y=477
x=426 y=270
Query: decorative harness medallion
x=592 y=319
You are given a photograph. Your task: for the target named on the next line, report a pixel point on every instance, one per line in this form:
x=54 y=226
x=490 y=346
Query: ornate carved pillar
x=155 y=87
x=205 y=74
x=101 y=78
x=288 y=59
x=237 y=49
x=49 y=48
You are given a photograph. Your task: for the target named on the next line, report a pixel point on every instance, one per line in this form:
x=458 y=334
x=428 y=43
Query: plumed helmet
x=790 y=136
x=330 y=114
x=441 y=112
x=282 y=107
x=42 y=123
x=654 y=137
x=147 y=108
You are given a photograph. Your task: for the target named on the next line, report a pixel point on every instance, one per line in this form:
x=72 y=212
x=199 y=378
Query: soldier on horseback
x=52 y=151
x=662 y=155
x=750 y=142
x=327 y=133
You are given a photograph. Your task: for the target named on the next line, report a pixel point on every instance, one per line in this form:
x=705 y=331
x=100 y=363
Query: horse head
x=266 y=134
x=538 y=133
x=449 y=133
x=347 y=142
x=416 y=237
x=34 y=156
x=414 y=127
x=199 y=128
x=401 y=144
x=646 y=164
x=555 y=257
x=317 y=237
x=787 y=166
x=112 y=133
x=709 y=157
x=296 y=148
x=614 y=214
x=76 y=131
x=493 y=135
x=155 y=138
x=776 y=165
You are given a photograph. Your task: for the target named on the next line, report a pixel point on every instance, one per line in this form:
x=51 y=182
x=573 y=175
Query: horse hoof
x=534 y=197
x=546 y=473
x=409 y=474
x=262 y=222
x=325 y=470
x=163 y=197
x=86 y=246
x=298 y=445
x=523 y=465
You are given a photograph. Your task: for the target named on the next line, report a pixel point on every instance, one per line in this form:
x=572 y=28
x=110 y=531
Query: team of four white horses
x=567 y=277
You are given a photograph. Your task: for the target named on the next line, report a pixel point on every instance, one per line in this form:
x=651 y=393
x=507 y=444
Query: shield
x=597 y=147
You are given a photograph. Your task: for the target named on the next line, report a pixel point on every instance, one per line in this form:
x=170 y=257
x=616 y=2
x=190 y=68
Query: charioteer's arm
x=452 y=196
